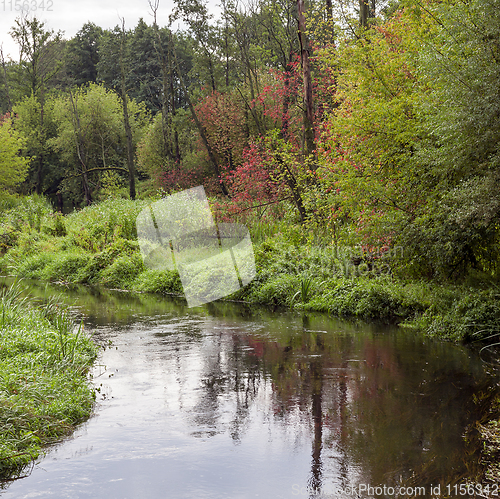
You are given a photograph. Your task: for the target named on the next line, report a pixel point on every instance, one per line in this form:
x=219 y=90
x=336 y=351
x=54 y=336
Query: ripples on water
x=226 y=402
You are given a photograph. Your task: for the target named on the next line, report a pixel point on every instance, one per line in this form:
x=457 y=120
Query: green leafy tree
x=13 y=167
x=82 y=54
x=460 y=226
x=40 y=55
x=410 y=154
x=5 y=97
x=144 y=80
x=368 y=142
x=38 y=125
x=91 y=136
x=40 y=62
x=108 y=67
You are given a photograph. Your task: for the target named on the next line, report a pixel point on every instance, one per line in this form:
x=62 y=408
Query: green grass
x=44 y=390
x=97 y=245
x=154 y=281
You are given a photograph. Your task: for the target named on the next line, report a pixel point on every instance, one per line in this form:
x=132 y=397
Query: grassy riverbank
x=44 y=390
x=98 y=245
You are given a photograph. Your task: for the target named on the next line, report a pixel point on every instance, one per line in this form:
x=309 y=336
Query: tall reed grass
x=44 y=389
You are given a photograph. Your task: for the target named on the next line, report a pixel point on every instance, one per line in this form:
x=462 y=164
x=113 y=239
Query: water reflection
x=225 y=401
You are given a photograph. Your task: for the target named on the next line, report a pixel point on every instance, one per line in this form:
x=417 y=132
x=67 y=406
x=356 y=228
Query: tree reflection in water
x=378 y=406
x=354 y=403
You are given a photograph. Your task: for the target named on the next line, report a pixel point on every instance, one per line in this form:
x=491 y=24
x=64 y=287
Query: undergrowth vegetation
x=44 y=389
x=98 y=245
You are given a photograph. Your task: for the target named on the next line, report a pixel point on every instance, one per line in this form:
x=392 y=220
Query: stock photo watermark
x=366 y=491
x=178 y=232
x=27 y=6
x=356 y=261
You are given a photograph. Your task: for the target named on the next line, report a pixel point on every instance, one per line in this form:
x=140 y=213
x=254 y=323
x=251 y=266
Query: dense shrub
x=153 y=281
x=277 y=291
x=98 y=225
x=33 y=266
x=122 y=272
x=66 y=266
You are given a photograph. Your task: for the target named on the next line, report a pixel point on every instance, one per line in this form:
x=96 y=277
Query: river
x=228 y=401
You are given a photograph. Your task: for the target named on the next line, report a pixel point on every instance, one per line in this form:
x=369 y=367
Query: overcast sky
x=70 y=15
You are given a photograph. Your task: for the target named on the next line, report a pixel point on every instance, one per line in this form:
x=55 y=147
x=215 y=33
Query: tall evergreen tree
x=82 y=54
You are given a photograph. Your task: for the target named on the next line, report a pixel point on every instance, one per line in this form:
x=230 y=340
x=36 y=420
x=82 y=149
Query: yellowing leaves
x=13 y=167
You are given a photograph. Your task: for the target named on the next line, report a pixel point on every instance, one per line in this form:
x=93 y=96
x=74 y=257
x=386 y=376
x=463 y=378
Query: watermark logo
x=24 y=7
x=178 y=232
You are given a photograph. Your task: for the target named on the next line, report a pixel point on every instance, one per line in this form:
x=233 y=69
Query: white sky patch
x=69 y=16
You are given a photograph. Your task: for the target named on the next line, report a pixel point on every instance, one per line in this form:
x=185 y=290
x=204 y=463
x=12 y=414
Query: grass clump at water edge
x=44 y=389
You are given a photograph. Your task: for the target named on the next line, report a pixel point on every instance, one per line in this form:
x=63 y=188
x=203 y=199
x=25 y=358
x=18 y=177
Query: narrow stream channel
x=228 y=402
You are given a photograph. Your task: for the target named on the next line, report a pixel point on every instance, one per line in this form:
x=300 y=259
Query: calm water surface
x=228 y=402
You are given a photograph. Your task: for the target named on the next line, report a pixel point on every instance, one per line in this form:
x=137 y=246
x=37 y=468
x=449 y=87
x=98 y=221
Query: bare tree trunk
x=177 y=150
x=294 y=188
x=226 y=42
x=39 y=172
x=199 y=125
x=86 y=188
x=366 y=12
x=329 y=18
x=130 y=145
x=165 y=101
x=329 y=10
x=227 y=57
x=166 y=71
x=174 y=111
x=80 y=153
x=297 y=197
x=306 y=75
x=286 y=103
x=211 y=71
x=363 y=13
x=126 y=120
